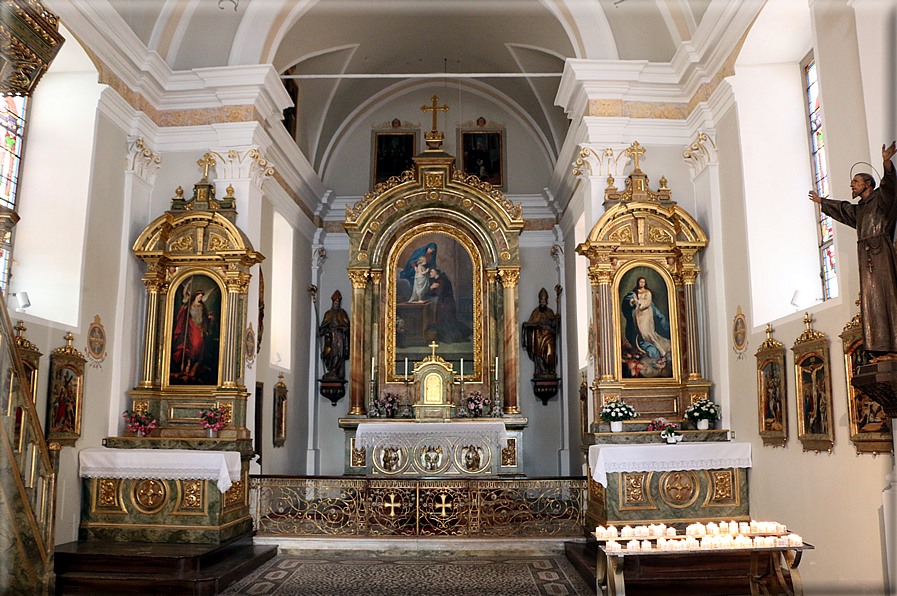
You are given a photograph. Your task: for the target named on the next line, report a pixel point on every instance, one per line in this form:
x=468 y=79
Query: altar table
x=649 y=483
x=432 y=449
x=183 y=464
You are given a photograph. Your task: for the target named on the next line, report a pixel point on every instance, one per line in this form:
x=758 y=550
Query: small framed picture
x=483 y=155
x=870 y=427
x=66 y=394
x=392 y=154
x=812 y=372
x=771 y=391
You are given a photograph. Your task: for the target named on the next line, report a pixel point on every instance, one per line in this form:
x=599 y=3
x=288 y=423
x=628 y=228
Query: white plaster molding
x=701 y=153
x=323 y=208
x=318 y=256
x=601 y=161
x=337 y=210
x=537 y=238
x=336 y=242
x=648 y=131
x=142 y=161
x=243 y=163
x=257 y=84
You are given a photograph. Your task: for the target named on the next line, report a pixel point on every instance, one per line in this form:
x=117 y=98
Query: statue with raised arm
x=874 y=217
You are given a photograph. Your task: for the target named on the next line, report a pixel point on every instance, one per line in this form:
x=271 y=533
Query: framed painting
x=30 y=356
x=194 y=341
x=483 y=155
x=771 y=391
x=812 y=372
x=280 y=413
x=870 y=427
x=65 y=394
x=392 y=153
x=435 y=294
x=645 y=320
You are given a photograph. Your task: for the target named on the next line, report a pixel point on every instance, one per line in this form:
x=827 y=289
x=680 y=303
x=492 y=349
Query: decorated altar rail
x=360 y=507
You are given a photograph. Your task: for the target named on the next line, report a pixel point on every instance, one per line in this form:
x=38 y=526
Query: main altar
x=434 y=263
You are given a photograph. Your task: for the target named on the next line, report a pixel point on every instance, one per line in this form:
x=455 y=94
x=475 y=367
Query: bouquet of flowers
x=667 y=429
x=213 y=419
x=139 y=423
x=703 y=409
x=475 y=402
x=388 y=403
x=617 y=411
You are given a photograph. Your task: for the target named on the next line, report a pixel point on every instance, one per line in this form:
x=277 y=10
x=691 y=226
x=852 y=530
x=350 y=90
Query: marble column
x=357 y=374
x=511 y=372
x=491 y=352
x=155 y=285
x=691 y=327
x=601 y=303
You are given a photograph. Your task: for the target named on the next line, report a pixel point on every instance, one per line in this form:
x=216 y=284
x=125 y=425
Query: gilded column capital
x=376 y=274
x=701 y=153
x=509 y=277
x=600 y=275
x=491 y=276
x=601 y=161
x=238 y=284
x=142 y=161
x=359 y=278
x=242 y=163
x=689 y=276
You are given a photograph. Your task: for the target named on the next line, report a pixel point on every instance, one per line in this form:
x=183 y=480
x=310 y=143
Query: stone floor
x=459 y=575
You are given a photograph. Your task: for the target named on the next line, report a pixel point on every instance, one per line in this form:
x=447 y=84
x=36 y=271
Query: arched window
x=13 y=112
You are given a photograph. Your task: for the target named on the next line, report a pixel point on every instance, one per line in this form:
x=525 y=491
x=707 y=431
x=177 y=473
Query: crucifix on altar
x=434 y=138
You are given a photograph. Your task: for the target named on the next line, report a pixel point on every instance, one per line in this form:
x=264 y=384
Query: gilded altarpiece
x=643 y=267
x=870 y=427
x=434 y=257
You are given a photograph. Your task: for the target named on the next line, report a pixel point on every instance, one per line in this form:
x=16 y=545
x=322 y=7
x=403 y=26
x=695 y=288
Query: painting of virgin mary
x=646 y=333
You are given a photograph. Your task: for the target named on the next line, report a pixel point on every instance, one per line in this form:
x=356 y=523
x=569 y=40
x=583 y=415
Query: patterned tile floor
x=290 y=575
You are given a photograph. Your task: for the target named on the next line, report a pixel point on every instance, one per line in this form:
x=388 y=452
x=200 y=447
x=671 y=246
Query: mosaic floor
x=288 y=575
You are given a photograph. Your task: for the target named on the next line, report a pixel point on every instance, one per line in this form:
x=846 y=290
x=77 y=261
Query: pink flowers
x=139 y=423
x=475 y=403
x=213 y=419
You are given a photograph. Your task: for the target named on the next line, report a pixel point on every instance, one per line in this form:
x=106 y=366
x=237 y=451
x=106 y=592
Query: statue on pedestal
x=874 y=218
x=540 y=337
x=335 y=331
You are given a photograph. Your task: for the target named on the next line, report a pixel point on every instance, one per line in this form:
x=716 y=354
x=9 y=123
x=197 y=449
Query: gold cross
x=807 y=319
x=392 y=505
x=206 y=161
x=433 y=346
x=635 y=151
x=434 y=108
x=443 y=505
x=769 y=331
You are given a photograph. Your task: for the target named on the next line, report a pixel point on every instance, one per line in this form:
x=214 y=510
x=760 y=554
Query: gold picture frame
x=812 y=377
x=280 y=412
x=870 y=427
x=391 y=153
x=772 y=395
x=65 y=394
x=482 y=153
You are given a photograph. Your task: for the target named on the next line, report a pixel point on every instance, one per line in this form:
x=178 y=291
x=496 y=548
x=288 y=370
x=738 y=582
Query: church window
x=12 y=113
x=828 y=270
x=281 y=292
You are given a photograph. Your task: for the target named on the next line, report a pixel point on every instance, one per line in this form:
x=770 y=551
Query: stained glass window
x=12 y=113
x=828 y=270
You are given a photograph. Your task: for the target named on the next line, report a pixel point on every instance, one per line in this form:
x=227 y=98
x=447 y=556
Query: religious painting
x=96 y=342
x=646 y=324
x=739 y=334
x=195 y=341
x=261 y=310
x=30 y=357
x=65 y=394
x=482 y=154
x=392 y=154
x=812 y=372
x=435 y=277
x=870 y=427
x=771 y=391
x=280 y=413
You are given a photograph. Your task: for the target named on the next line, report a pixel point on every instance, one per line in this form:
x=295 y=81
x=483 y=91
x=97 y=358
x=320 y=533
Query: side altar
x=434 y=262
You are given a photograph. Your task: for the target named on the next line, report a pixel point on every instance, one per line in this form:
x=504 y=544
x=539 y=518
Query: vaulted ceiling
x=341 y=49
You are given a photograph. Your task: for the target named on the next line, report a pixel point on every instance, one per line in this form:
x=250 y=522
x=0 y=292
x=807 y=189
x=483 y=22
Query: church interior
x=284 y=270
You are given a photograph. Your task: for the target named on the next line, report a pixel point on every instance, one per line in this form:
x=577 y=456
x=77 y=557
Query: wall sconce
x=22 y=300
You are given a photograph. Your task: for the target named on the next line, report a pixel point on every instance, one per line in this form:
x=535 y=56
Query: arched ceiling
x=366 y=39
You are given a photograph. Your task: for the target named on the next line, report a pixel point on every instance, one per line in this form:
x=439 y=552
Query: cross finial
x=769 y=331
x=807 y=319
x=634 y=151
x=206 y=161
x=434 y=108
x=433 y=346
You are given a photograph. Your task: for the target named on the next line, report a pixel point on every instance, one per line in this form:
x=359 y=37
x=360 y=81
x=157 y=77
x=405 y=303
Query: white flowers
x=703 y=409
x=616 y=411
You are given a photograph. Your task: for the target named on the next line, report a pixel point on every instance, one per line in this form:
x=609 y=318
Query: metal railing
x=373 y=507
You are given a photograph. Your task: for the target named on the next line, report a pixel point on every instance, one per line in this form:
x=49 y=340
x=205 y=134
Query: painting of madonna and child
x=647 y=346
x=195 y=332
x=434 y=302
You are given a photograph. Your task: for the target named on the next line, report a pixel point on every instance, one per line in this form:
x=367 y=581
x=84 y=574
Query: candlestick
x=462 y=370
x=406 y=370
x=373 y=368
x=496 y=368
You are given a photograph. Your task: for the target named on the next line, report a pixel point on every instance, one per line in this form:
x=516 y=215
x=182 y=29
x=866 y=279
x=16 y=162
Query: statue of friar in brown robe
x=874 y=218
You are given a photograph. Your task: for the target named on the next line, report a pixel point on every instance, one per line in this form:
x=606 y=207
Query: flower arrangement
x=139 y=423
x=475 y=402
x=703 y=409
x=617 y=411
x=213 y=419
x=388 y=403
x=659 y=424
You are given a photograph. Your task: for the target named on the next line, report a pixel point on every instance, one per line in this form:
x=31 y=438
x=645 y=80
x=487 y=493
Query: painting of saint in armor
x=195 y=332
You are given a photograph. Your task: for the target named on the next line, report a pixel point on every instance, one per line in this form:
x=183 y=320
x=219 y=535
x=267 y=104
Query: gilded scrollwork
x=622 y=234
x=359 y=278
x=509 y=277
x=192 y=495
x=509 y=454
x=149 y=495
x=183 y=244
x=659 y=235
x=218 y=242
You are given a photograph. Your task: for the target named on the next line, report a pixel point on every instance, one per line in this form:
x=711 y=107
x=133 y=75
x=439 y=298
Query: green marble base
x=244 y=446
x=602 y=435
x=677 y=497
x=163 y=510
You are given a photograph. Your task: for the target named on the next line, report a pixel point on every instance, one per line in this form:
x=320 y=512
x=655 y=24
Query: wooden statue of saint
x=540 y=337
x=874 y=218
x=335 y=331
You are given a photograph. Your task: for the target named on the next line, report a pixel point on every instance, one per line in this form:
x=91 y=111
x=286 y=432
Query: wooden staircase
x=103 y=567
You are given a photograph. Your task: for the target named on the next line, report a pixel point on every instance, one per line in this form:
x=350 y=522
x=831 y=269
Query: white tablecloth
x=664 y=458
x=393 y=434
x=184 y=464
